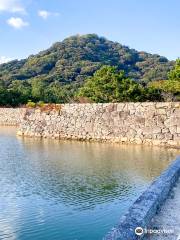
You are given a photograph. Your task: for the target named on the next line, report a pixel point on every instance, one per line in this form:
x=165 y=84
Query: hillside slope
x=77 y=57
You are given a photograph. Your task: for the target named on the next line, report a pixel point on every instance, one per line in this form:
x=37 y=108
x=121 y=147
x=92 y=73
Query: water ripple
x=54 y=190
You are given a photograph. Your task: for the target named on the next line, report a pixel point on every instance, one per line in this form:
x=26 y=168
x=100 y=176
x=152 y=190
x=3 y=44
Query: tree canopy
x=78 y=57
x=110 y=85
x=174 y=74
x=170 y=88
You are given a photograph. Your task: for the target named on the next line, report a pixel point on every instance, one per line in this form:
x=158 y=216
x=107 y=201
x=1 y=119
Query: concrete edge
x=147 y=205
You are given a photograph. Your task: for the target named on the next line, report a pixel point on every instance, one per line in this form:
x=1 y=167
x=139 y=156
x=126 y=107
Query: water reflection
x=70 y=190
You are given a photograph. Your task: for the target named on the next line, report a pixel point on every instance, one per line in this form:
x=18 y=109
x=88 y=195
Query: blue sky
x=28 y=26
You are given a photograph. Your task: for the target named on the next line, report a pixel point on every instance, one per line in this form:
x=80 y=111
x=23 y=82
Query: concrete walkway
x=168 y=218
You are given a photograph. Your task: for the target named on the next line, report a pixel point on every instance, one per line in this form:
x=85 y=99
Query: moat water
x=51 y=190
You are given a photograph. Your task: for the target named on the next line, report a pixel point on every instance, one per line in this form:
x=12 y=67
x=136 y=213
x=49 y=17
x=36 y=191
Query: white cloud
x=45 y=14
x=4 y=59
x=11 y=6
x=17 y=22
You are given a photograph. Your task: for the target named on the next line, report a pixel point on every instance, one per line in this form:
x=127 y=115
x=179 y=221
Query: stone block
x=178 y=130
x=163 y=105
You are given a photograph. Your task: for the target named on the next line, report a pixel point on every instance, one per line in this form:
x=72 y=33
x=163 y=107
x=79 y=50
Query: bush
x=40 y=104
x=51 y=107
x=31 y=104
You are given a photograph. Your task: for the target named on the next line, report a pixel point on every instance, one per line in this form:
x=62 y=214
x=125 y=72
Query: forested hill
x=77 y=57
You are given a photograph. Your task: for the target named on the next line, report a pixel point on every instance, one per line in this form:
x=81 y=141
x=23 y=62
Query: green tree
x=3 y=94
x=56 y=93
x=174 y=74
x=21 y=88
x=170 y=88
x=110 y=85
x=38 y=89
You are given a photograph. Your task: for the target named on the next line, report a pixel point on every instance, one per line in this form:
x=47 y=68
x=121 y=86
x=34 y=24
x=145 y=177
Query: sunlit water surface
x=52 y=190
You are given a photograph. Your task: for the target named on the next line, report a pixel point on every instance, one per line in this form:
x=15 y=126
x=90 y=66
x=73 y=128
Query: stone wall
x=139 y=123
x=11 y=116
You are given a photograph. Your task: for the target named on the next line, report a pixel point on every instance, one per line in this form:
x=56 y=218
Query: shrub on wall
x=31 y=104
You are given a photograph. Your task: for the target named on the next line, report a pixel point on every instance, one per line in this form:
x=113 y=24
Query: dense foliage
x=110 y=85
x=56 y=74
x=77 y=57
x=170 y=88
